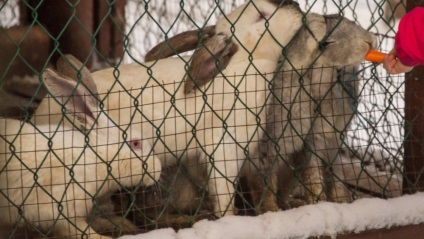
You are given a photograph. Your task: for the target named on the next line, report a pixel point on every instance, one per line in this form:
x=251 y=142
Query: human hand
x=393 y=65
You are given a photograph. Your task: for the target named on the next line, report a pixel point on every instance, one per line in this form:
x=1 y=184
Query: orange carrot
x=375 y=56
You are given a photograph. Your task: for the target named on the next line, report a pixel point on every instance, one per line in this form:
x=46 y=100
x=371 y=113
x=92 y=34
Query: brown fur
x=179 y=43
x=71 y=67
x=313 y=107
x=210 y=49
x=208 y=61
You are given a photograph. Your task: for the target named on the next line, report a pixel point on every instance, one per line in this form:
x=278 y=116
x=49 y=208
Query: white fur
x=218 y=128
x=38 y=180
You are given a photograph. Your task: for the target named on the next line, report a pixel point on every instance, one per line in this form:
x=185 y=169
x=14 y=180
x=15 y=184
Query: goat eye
x=135 y=144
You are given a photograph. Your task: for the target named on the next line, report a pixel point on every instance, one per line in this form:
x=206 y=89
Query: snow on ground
x=322 y=219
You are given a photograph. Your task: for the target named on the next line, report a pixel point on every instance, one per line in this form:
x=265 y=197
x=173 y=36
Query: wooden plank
x=71 y=23
x=23 y=13
x=110 y=21
x=404 y=232
x=24 y=53
x=74 y=22
x=414 y=125
x=118 y=38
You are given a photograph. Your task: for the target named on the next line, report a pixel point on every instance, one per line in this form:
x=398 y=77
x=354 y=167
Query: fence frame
x=110 y=44
x=414 y=121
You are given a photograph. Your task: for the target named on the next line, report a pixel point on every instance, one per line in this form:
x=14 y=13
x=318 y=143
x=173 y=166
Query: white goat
x=52 y=167
x=220 y=127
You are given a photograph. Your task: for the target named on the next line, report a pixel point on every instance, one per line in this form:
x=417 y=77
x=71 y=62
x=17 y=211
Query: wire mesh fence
x=296 y=122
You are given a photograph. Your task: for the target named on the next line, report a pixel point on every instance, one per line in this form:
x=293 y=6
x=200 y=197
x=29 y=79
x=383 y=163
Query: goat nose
x=372 y=43
x=370 y=46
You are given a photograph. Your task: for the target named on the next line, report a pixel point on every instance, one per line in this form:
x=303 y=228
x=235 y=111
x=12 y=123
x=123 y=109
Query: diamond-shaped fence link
x=132 y=146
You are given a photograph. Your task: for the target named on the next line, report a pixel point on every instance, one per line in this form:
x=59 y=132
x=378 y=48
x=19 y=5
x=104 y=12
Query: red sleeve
x=409 y=40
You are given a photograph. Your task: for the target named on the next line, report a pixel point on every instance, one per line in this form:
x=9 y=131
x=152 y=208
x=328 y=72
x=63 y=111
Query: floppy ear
x=70 y=66
x=182 y=42
x=19 y=93
x=77 y=100
x=212 y=58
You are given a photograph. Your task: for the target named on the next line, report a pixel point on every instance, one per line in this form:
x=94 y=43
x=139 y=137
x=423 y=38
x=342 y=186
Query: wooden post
x=24 y=51
x=70 y=23
x=414 y=125
x=110 y=21
x=81 y=26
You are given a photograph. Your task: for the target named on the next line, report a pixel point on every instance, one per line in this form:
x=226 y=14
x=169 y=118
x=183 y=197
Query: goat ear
x=208 y=61
x=182 y=42
x=77 y=100
x=71 y=67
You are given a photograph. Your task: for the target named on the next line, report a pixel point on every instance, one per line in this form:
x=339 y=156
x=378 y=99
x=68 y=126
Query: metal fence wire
x=132 y=146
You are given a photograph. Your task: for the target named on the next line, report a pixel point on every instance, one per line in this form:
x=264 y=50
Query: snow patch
x=322 y=219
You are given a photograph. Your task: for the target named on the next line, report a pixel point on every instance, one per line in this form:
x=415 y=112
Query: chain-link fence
x=284 y=125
